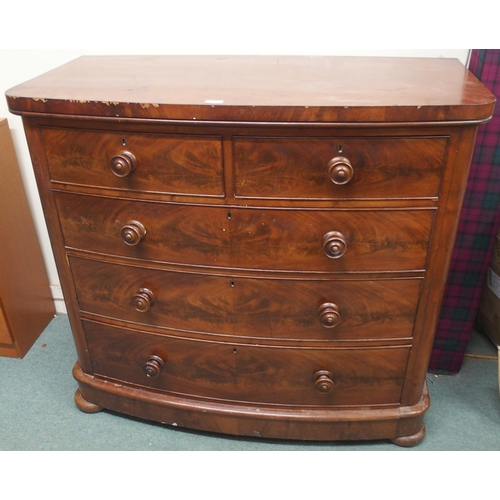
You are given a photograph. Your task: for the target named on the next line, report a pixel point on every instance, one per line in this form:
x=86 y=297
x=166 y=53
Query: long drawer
x=248 y=307
x=175 y=164
x=238 y=372
x=338 y=167
x=273 y=239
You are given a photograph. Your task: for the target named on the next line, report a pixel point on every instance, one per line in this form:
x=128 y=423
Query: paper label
x=494 y=282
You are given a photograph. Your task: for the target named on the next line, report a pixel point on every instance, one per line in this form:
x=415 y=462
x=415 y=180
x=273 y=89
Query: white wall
x=19 y=65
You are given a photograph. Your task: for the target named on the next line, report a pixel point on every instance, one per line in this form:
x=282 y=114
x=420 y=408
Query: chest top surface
x=258 y=89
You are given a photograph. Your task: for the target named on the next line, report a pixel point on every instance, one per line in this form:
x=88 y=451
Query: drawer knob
x=143 y=299
x=132 y=233
x=323 y=381
x=152 y=367
x=123 y=164
x=334 y=244
x=329 y=315
x=340 y=170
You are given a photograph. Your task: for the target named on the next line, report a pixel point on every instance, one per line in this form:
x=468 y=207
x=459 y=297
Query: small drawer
x=338 y=168
x=248 y=307
x=173 y=164
x=239 y=372
x=244 y=238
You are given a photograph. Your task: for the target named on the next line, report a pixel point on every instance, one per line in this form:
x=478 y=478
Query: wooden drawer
x=163 y=163
x=274 y=239
x=238 y=372
x=300 y=168
x=248 y=307
x=5 y=335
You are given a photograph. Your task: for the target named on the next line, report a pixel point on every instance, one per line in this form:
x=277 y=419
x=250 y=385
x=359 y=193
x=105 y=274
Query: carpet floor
x=37 y=410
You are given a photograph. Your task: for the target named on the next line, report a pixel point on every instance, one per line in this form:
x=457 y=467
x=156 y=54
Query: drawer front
x=274 y=239
x=248 y=307
x=374 y=167
x=159 y=163
x=275 y=375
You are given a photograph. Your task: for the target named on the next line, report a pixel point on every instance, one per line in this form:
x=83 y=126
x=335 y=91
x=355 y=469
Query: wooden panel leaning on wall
x=26 y=305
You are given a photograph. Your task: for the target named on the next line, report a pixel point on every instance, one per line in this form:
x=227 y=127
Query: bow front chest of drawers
x=254 y=245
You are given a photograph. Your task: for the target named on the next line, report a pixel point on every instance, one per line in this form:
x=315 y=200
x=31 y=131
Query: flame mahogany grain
x=248 y=306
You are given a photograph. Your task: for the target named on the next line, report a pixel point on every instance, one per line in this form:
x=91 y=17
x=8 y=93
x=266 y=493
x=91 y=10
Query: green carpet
x=37 y=410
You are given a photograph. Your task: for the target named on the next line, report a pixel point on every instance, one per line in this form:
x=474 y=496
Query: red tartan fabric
x=478 y=226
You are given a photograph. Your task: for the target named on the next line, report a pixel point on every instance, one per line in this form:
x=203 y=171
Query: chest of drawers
x=254 y=245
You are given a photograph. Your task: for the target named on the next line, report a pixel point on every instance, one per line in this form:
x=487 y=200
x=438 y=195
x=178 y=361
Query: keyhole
x=232 y=284
x=234 y=350
x=340 y=149
x=229 y=215
x=124 y=142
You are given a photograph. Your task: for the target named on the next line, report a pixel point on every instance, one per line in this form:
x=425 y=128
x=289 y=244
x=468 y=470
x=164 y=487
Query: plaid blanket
x=478 y=226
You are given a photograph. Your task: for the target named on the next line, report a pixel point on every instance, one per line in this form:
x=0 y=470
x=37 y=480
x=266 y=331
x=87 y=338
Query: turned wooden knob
x=323 y=381
x=340 y=170
x=334 y=244
x=329 y=315
x=123 y=164
x=143 y=299
x=152 y=367
x=132 y=233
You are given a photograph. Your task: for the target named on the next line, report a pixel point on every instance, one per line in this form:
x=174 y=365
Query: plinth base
x=402 y=425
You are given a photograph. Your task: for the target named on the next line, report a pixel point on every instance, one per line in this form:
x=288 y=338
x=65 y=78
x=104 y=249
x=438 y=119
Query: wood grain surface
x=377 y=240
x=384 y=168
x=253 y=88
x=165 y=163
x=248 y=373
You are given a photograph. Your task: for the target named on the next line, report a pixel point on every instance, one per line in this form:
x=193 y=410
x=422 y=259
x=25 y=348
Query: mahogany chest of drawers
x=254 y=245
x=26 y=304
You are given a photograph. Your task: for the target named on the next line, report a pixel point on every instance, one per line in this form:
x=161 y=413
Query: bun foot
x=412 y=440
x=84 y=405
